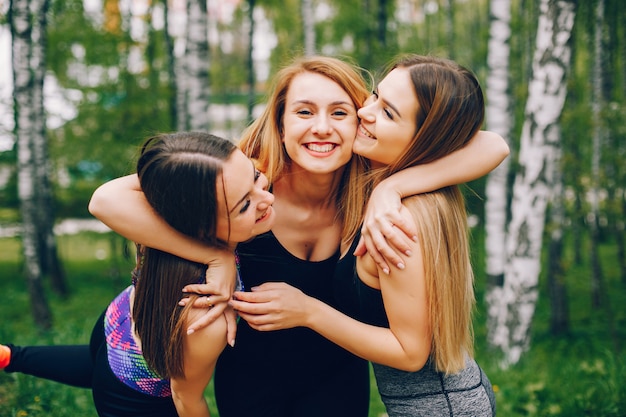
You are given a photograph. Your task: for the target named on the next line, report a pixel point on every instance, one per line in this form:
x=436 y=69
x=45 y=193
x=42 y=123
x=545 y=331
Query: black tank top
x=282 y=354
x=354 y=298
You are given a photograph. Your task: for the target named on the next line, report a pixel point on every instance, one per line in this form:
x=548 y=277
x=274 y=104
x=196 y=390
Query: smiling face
x=319 y=124
x=388 y=120
x=247 y=208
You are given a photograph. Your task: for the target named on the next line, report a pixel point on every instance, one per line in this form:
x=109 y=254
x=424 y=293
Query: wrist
x=389 y=186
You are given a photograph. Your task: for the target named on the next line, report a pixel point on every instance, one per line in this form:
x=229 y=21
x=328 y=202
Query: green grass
x=581 y=374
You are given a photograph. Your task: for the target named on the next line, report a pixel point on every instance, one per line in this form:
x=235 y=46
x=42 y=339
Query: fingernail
x=414 y=238
x=408 y=253
x=190 y=331
x=386 y=271
x=232 y=343
x=400 y=265
x=180 y=303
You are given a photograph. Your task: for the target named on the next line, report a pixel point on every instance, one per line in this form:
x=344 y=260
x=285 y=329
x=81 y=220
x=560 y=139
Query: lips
x=265 y=215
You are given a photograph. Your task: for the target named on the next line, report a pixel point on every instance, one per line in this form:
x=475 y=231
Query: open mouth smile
x=321 y=147
x=366 y=133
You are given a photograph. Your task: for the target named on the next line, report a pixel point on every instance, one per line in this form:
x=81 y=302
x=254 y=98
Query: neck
x=308 y=188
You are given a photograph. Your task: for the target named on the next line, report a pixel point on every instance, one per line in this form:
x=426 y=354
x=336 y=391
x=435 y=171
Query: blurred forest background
x=83 y=82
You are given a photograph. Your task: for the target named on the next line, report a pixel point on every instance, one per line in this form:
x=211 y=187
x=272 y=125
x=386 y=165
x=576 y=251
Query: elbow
x=96 y=203
x=505 y=151
x=502 y=148
x=413 y=365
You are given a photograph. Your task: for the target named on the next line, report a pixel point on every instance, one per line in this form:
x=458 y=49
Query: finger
x=206 y=319
x=243 y=307
x=200 y=302
x=360 y=249
x=408 y=228
x=396 y=239
x=259 y=322
x=376 y=256
x=206 y=289
x=388 y=257
x=231 y=326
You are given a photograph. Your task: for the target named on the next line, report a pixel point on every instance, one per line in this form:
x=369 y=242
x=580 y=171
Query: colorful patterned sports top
x=125 y=357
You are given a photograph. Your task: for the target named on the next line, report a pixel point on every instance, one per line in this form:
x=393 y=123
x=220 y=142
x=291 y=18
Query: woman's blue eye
x=257 y=174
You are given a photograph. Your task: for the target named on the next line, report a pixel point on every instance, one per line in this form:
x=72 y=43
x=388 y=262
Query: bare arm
x=121 y=205
x=384 y=223
x=201 y=352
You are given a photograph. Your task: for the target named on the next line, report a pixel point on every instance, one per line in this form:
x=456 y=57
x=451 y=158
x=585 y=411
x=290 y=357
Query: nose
x=321 y=126
x=266 y=198
x=366 y=113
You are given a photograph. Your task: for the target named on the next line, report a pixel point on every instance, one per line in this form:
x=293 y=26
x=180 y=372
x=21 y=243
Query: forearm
x=122 y=206
x=484 y=152
x=376 y=344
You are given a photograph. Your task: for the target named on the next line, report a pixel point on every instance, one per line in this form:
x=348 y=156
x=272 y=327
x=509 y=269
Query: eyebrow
x=388 y=103
x=248 y=193
x=334 y=103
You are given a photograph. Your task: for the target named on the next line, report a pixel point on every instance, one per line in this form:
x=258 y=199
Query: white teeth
x=316 y=147
x=366 y=133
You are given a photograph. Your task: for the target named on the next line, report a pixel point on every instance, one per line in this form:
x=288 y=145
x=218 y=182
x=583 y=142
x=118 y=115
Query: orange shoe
x=5 y=356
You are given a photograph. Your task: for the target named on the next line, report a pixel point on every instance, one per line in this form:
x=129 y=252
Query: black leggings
x=87 y=366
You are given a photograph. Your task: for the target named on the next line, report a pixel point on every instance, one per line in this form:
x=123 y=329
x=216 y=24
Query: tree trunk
x=29 y=117
x=539 y=150
x=308 y=26
x=620 y=228
x=449 y=26
x=500 y=120
x=251 y=74
x=381 y=26
x=171 y=67
x=44 y=204
x=557 y=289
x=194 y=88
x=597 y=287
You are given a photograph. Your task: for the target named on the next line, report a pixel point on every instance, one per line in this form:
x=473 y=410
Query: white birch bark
x=499 y=119
x=308 y=26
x=30 y=123
x=195 y=69
x=539 y=150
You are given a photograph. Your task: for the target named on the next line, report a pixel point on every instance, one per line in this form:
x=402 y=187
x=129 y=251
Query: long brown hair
x=451 y=111
x=180 y=177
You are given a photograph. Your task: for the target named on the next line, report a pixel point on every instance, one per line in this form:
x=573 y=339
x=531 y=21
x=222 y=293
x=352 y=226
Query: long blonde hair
x=442 y=226
x=262 y=140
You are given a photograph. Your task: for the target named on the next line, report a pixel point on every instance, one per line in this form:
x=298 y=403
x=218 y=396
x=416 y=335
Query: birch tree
x=499 y=119
x=250 y=62
x=193 y=71
x=28 y=27
x=596 y=141
x=539 y=151
x=308 y=26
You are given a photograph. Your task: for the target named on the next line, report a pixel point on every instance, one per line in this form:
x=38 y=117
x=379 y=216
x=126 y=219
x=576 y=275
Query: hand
x=385 y=224
x=272 y=306
x=220 y=283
